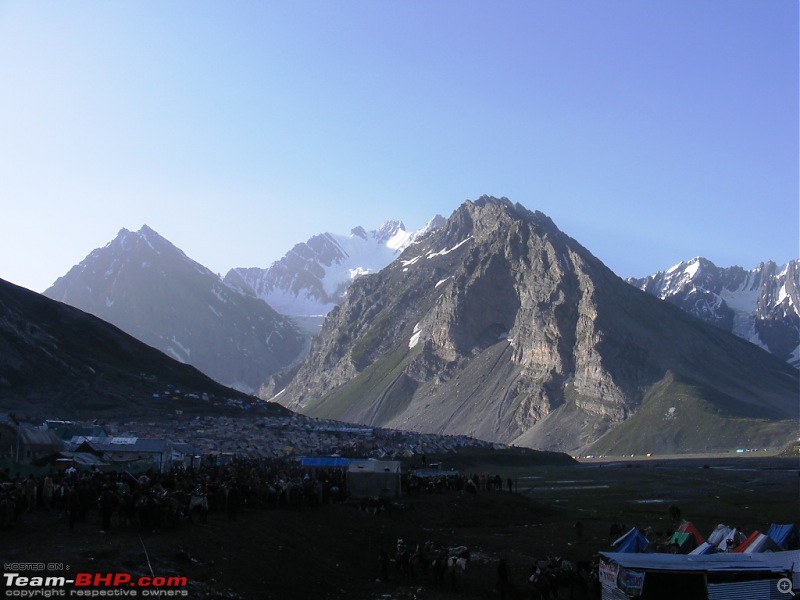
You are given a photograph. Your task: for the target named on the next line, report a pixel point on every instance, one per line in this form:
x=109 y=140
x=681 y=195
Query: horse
x=418 y=560
x=548 y=577
x=439 y=567
x=566 y=575
x=542 y=582
x=402 y=559
x=172 y=507
x=457 y=564
x=198 y=502
x=145 y=510
x=126 y=511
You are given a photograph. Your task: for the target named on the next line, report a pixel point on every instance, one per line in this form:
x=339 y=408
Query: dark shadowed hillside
x=56 y=360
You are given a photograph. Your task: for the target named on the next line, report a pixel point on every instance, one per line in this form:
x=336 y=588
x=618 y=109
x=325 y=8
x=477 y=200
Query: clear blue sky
x=651 y=132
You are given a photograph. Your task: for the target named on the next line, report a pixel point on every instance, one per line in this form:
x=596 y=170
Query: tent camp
x=704 y=548
x=720 y=576
x=757 y=542
x=688 y=527
x=725 y=537
x=787 y=536
x=682 y=542
x=381 y=478
x=686 y=538
x=632 y=541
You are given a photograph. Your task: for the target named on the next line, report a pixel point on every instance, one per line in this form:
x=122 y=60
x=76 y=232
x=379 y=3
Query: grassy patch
x=365 y=387
x=677 y=416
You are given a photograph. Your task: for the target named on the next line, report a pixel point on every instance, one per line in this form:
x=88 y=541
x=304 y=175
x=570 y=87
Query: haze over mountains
x=149 y=288
x=492 y=323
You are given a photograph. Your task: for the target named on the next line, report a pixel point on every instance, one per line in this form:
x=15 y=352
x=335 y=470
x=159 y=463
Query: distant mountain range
x=517 y=333
x=760 y=305
x=228 y=329
x=499 y=326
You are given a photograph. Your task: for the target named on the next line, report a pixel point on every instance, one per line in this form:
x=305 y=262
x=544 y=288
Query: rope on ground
x=147 y=556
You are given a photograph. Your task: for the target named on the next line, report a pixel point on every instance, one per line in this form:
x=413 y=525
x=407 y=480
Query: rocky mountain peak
x=359 y=231
x=500 y=326
x=150 y=289
x=388 y=230
x=759 y=305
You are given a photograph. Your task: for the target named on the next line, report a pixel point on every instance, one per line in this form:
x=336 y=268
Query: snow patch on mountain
x=313 y=277
x=744 y=303
x=759 y=305
x=448 y=250
x=441 y=281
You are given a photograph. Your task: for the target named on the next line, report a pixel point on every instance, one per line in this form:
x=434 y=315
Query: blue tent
x=329 y=462
x=633 y=541
x=786 y=536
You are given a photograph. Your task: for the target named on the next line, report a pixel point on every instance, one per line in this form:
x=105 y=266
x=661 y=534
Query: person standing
x=108 y=503
x=47 y=491
x=579 y=530
x=30 y=493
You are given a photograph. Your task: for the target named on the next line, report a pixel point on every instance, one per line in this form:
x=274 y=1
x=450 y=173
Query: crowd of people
x=120 y=500
x=156 y=500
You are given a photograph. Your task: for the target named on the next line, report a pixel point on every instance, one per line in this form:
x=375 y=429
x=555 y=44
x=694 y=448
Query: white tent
x=725 y=537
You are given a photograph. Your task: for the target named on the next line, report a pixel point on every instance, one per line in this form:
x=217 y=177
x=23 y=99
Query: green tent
x=683 y=541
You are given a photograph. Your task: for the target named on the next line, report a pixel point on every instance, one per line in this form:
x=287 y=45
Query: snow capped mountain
x=313 y=276
x=759 y=305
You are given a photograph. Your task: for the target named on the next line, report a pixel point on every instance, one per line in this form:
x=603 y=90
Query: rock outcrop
x=500 y=326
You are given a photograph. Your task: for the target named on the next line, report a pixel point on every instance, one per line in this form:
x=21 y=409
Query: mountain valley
x=492 y=324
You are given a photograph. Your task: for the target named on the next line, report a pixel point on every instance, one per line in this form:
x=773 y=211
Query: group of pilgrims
x=153 y=500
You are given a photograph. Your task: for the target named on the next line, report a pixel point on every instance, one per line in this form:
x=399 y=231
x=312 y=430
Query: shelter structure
x=686 y=538
x=327 y=464
x=83 y=460
x=26 y=443
x=726 y=538
x=704 y=548
x=757 y=542
x=787 y=535
x=186 y=455
x=721 y=576
x=374 y=478
x=146 y=453
x=67 y=430
x=632 y=541
x=324 y=462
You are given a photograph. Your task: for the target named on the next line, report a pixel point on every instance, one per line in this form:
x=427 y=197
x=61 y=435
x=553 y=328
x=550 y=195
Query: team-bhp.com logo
x=95 y=585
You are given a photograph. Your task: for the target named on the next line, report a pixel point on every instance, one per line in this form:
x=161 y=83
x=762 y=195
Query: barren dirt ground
x=331 y=552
